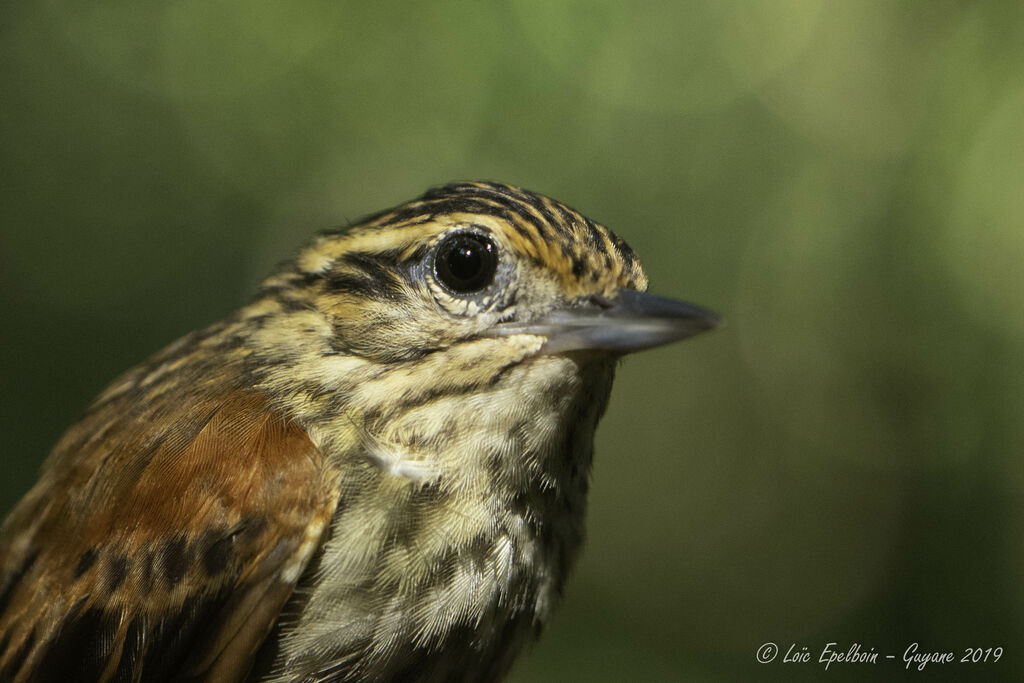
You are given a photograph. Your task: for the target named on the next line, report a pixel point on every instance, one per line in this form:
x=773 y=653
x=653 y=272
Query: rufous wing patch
x=171 y=557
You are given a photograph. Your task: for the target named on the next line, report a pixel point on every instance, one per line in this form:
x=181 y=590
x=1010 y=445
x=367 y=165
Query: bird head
x=477 y=261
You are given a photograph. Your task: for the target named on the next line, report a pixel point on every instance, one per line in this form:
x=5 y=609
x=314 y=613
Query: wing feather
x=160 y=548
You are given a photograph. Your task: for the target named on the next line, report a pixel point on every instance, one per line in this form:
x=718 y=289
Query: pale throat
x=446 y=494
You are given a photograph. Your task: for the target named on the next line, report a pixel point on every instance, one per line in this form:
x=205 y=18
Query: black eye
x=466 y=262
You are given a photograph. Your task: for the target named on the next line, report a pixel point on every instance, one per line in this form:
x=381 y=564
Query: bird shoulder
x=164 y=548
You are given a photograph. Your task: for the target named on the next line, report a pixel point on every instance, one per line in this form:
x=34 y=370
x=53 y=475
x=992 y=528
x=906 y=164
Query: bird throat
x=460 y=515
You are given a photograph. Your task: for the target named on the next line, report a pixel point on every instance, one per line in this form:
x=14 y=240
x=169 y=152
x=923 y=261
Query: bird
x=375 y=470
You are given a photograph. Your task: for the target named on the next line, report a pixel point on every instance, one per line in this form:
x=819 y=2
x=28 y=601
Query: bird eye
x=465 y=262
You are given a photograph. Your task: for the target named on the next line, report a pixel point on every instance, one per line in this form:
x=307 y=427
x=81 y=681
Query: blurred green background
x=844 y=181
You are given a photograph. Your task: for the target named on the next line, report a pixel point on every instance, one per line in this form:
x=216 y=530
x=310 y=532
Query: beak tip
x=670 y=320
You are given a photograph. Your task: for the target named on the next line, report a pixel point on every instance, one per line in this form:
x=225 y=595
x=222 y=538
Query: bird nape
x=375 y=471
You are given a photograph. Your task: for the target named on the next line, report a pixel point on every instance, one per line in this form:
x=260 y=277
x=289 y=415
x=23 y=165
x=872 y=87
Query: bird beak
x=631 y=321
